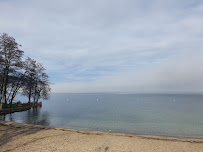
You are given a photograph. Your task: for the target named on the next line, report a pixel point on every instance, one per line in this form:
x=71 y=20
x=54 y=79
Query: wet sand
x=24 y=137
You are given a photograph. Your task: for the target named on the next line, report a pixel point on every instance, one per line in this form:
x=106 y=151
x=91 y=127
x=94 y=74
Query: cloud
x=184 y=75
x=111 y=46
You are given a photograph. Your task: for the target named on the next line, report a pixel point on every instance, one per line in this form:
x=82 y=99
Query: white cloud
x=184 y=75
x=120 y=46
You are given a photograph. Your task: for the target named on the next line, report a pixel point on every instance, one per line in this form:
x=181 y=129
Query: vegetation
x=17 y=76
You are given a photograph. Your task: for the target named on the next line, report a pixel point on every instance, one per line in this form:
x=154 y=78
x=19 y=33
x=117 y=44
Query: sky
x=117 y=46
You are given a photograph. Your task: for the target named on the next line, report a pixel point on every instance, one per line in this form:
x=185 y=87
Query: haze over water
x=153 y=114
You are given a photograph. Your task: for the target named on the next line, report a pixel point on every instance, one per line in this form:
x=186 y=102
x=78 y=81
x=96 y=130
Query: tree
x=10 y=57
x=30 y=72
x=36 y=81
x=1 y=74
x=15 y=84
x=42 y=88
x=27 y=77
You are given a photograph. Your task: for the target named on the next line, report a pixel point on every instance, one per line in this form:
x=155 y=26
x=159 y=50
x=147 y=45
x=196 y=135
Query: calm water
x=170 y=115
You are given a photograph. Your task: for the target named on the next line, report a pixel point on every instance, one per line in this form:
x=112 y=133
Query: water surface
x=168 y=115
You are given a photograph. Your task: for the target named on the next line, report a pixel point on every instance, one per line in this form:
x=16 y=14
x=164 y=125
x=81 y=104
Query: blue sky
x=135 y=46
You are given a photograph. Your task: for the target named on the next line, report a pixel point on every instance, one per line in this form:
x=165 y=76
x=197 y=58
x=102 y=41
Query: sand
x=30 y=138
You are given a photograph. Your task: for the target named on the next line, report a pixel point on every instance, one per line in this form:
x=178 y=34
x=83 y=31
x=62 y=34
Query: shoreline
x=20 y=107
x=99 y=131
x=126 y=132
x=74 y=139
x=12 y=110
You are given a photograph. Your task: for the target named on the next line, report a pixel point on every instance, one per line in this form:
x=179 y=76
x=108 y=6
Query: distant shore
x=26 y=137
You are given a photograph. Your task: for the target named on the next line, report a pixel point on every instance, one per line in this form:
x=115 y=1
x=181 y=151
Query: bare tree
x=30 y=74
x=16 y=82
x=27 y=77
x=42 y=88
x=1 y=73
x=10 y=57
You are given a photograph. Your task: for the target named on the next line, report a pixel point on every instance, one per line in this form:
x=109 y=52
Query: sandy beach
x=24 y=137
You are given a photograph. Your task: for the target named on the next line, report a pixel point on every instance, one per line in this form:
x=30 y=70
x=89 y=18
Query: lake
x=151 y=114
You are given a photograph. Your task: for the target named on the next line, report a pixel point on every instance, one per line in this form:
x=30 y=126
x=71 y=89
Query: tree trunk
x=29 y=98
x=5 y=92
x=2 y=98
x=13 y=96
x=29 y=95
x=35 y=92
x=38 y=96
x=34 y=98
x=8 y=97
x=5 y=99
x=11 y=102
x=4 y=88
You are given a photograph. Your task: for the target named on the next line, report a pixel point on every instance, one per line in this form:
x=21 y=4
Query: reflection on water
x=3 y=117
x=32 y=116
x=170 y=115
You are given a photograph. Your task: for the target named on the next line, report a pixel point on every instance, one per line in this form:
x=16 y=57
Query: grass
x=17 y=107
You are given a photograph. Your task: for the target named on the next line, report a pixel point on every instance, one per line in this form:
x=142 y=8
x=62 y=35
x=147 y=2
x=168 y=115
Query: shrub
x=40 y=104
x=19 y=102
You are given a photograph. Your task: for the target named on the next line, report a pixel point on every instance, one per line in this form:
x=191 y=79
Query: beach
x=25 y=137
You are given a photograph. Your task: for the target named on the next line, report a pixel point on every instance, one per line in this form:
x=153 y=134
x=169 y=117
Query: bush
x=19 y=102
x=40 y=104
